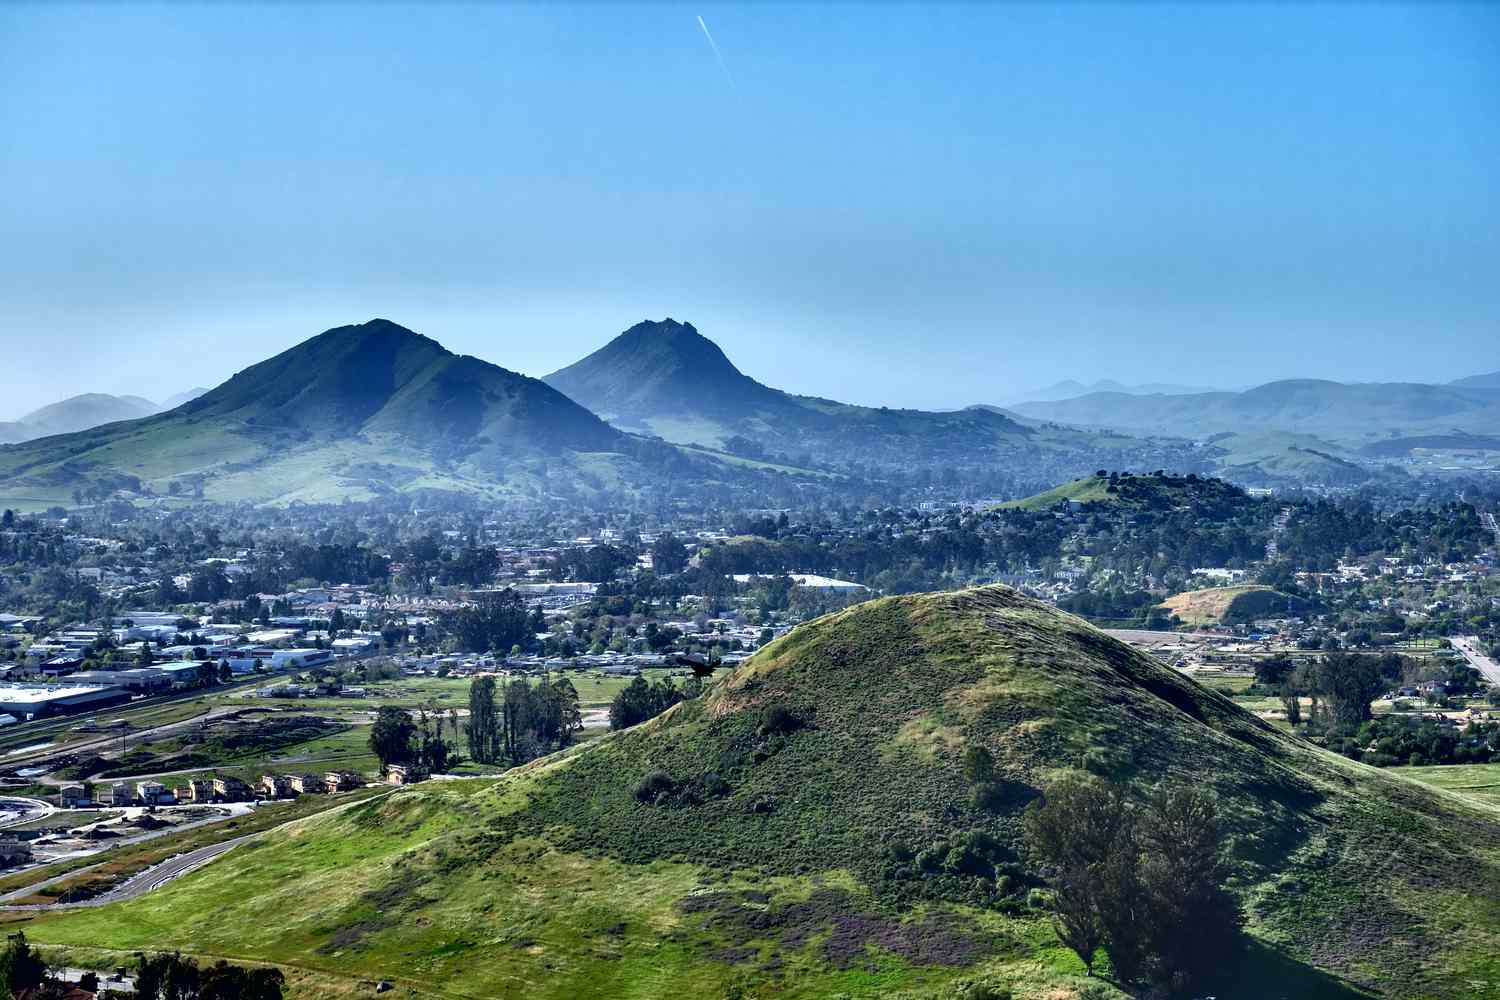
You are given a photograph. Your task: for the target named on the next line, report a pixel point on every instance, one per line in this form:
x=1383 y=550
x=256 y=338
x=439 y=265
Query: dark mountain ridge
x=355 y=410
x=667 y=379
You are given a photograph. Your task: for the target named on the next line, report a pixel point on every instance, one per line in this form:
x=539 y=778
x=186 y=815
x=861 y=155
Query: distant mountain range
x=1490 y=381
x=361 y=411
x=78 y=413
x=1069 y=388
x=75 y=414
x=1352 y=415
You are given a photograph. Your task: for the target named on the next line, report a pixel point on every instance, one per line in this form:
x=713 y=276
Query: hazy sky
x=924 y=206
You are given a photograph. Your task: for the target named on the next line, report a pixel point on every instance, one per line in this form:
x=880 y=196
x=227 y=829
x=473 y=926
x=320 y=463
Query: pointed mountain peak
x=669 y=345
x=658 y=366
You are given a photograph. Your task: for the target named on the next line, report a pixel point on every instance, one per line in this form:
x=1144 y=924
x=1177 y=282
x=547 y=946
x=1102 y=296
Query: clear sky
x=923 y=206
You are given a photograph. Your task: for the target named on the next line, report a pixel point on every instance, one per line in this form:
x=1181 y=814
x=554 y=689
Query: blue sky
x=923 y=206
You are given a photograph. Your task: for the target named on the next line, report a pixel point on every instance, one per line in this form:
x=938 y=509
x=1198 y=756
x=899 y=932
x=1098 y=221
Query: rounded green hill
x=806 y=829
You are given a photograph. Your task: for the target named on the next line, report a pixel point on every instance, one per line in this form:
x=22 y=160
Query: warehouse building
x=32 y=701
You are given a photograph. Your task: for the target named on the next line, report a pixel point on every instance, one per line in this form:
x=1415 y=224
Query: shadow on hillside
x=1264 y=973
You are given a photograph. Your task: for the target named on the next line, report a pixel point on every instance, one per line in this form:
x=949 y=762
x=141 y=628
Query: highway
x=1469 y=646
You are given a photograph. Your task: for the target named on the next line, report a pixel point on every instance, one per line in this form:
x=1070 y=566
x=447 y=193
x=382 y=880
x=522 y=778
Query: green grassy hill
x=1153 y=492
x=353 y=412
x=805 y=830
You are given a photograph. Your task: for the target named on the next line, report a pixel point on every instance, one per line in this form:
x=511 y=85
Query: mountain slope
x=177 y=399
x=807 y=831
x=354 y=411
x=1346 y=413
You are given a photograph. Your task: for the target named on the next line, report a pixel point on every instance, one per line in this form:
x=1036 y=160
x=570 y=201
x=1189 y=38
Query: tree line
x=516 y=720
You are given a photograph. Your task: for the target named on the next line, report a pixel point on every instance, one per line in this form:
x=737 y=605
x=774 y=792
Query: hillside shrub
x=654 y=786
x=779 y=720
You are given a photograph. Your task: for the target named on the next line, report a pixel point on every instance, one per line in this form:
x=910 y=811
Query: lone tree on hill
x=1144 y=880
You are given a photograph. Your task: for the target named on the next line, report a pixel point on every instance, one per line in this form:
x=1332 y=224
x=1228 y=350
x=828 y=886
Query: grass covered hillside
x=354 y=412
x=805 y=829
x=1205 y=495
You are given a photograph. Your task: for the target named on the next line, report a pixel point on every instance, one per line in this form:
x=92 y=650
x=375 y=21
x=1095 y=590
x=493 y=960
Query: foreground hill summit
x=805 y=829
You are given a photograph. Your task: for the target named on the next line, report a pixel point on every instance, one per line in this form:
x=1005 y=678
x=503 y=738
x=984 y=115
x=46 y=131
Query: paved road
x=138 y=884
x=157 y=875
x=30 y=809
x=230 y=809
x=1469 y=646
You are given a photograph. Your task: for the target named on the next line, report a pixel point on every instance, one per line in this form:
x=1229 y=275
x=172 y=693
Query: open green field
x=1479 y=781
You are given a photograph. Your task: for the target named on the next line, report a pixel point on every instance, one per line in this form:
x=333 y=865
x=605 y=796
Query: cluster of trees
x=496 y=622
x=1321 y=533
x=158 y=977
x=1143 y=879
x=517 y=720
x=1394 y=740
x=172 y=977
x=642 y=700
x=397 y=738
x=1340 y=686
x=595 y=563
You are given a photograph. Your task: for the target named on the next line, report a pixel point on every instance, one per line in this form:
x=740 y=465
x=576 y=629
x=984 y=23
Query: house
x=306 y=784
x=120 y=794
x=73 y=797
x=342 y=781
x=154 y=793
x=277 y=786
x=405 y=774
x=231 y=790
x=199 y=790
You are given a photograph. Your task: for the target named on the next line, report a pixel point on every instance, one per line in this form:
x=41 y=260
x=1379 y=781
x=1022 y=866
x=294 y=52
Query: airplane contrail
x=717 y=54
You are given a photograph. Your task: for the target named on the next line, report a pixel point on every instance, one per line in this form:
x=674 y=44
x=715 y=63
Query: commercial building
x=139 y=680
x=32 y=701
